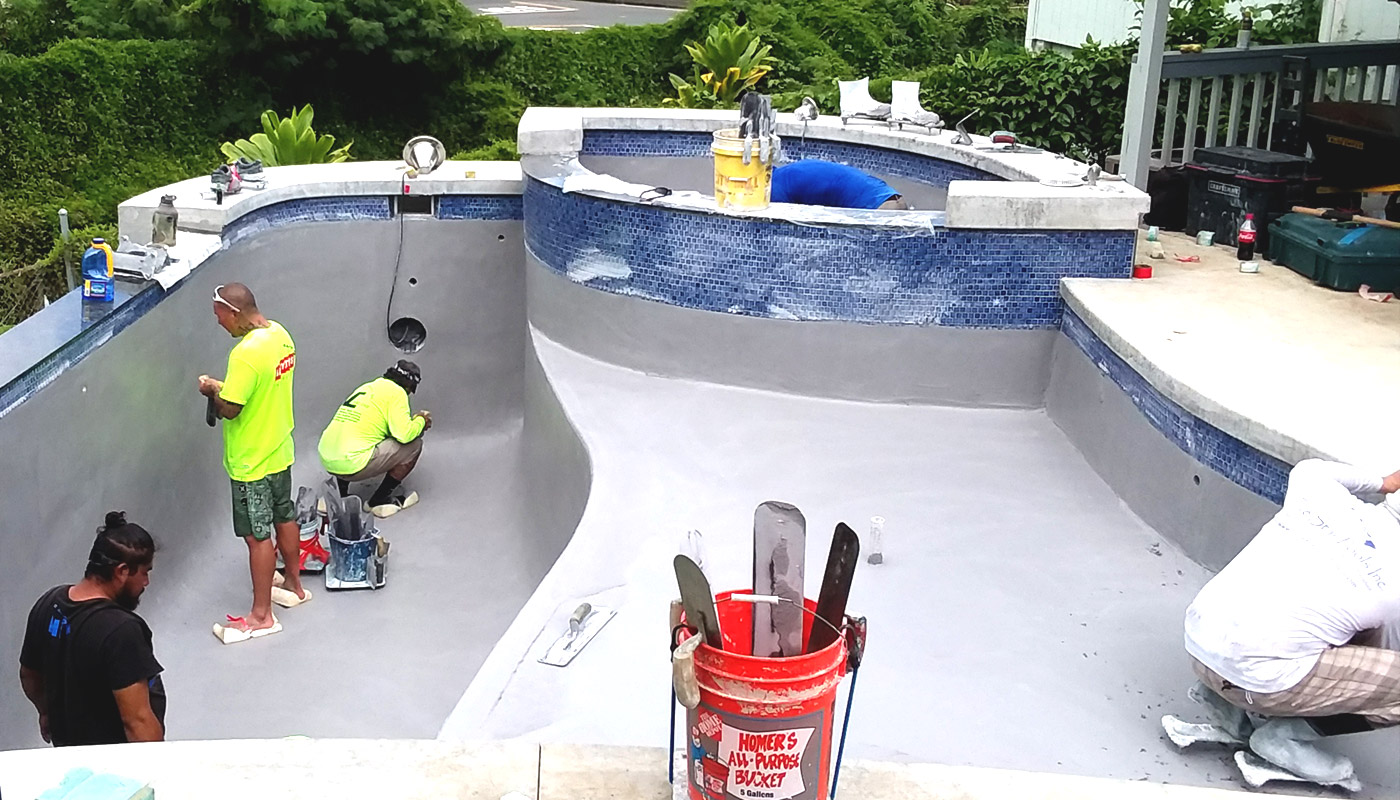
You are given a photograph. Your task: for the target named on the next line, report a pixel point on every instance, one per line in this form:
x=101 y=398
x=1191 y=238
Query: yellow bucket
x=740 y=185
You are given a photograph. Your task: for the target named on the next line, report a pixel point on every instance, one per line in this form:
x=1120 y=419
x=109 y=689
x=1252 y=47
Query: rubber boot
x=1286 y=743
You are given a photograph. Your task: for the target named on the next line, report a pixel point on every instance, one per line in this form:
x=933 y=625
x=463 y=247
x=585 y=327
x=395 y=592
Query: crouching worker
x=87 y=664
x=1289 y=634
x=373 y=434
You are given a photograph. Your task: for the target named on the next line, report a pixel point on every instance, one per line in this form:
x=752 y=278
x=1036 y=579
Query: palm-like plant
x=287 y=140
x=734 y=60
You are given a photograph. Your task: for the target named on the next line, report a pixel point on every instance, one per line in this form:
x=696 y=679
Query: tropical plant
x=734 y=59
x=287 y=140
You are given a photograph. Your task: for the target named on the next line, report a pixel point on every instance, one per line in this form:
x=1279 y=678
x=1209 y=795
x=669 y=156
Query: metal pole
x=1144 y=84
x=67 y=256
x=845 y=725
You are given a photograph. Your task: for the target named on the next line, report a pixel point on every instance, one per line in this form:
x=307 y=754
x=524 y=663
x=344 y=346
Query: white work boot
x=1286 y=743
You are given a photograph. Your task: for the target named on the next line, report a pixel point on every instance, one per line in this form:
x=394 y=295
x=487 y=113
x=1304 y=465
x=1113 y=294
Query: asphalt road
x=567 y=14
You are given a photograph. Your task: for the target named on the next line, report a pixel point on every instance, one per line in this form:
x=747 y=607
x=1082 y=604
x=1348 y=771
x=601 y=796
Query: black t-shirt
x=85 y=651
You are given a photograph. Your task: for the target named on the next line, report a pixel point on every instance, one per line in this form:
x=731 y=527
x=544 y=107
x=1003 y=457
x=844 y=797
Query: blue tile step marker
x=84 y=784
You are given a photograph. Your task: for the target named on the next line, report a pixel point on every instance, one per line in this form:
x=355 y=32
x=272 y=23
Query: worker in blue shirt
x=813 y=182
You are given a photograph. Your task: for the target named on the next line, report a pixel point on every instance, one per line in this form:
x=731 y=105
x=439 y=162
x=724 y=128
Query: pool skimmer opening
x=407 y=334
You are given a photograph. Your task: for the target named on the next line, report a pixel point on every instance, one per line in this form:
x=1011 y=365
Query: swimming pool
x=605 y=374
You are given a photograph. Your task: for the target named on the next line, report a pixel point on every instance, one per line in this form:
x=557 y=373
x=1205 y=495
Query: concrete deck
x=424 y=770
x=1293 y=369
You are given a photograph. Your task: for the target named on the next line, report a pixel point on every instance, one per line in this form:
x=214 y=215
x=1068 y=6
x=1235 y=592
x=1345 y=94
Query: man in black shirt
x=87 y=664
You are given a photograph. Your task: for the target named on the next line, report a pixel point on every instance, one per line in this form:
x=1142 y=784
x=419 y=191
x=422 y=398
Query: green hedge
x=90 y=122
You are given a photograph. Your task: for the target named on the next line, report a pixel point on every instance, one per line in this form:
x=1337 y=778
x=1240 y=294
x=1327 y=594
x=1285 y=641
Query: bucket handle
x=855 y=653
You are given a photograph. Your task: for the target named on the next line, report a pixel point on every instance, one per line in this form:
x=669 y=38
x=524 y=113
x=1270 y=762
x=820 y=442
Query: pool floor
x=376 y=664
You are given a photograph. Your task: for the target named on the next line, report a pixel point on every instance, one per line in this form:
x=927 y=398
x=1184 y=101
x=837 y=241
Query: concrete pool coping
x=433 y=770
x=1293 y=369
x=1018 y=202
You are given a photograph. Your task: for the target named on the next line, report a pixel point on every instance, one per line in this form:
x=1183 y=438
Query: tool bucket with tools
x=743 y=171
x=762 y=726
x=359 y=554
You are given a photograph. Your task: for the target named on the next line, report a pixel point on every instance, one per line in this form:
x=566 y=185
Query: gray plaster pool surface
x=1025 y=616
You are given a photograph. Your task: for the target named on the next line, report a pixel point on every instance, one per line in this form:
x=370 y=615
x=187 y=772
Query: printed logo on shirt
x=1366 y=555
x=58 y=625
x=287 y=364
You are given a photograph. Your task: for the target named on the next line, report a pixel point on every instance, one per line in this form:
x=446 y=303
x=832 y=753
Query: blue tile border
x=1243 y=464
x=48 y=368
x=783 y=270
x=311 y=209
x=879 y=160
x=481 y=206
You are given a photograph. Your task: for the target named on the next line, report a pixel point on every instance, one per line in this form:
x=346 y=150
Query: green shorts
x=260 y=504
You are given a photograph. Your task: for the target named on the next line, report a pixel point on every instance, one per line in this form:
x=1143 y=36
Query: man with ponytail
x=87 y=663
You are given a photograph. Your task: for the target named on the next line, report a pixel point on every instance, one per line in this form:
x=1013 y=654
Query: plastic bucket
x=763 y=726
x=740 y=185
x=350 y=560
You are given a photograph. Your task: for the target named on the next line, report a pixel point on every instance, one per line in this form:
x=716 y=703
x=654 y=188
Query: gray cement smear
x=503 y=480
x=842 y=360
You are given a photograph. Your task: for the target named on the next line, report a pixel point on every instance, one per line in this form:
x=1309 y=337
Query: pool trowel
x=585 y=623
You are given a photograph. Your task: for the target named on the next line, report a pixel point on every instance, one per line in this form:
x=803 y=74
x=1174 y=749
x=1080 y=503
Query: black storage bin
x=1229 y=182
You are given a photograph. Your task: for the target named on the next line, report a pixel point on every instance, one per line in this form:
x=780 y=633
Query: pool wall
x=118 y=424
x=909 y=308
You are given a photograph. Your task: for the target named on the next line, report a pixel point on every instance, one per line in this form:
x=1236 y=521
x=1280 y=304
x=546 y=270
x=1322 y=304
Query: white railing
x=1252 y=96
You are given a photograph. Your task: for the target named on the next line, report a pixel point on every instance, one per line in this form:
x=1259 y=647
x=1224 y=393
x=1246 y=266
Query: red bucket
x=763 y=726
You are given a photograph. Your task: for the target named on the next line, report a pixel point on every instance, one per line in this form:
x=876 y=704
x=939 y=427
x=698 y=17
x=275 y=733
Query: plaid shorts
x=259 y=504
x=1347 y=680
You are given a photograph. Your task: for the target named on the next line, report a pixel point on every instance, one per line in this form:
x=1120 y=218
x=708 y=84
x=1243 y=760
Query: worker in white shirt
x=1291 y=629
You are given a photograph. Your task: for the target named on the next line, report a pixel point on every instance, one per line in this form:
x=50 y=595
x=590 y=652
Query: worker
x=87 y=662
x=813 y=182
x=373 y=434
x=1291 y=628
x=255 y=402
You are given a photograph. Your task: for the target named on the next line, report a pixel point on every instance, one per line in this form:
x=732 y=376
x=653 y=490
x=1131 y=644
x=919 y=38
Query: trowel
x=584 y=624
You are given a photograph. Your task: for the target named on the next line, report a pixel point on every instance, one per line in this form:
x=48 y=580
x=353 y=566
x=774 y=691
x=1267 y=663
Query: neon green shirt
x=372 y=413
x=258 y=442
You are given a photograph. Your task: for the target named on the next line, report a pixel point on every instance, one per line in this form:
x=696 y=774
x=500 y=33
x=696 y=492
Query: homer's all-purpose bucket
x=740 y=182
x=763 y=728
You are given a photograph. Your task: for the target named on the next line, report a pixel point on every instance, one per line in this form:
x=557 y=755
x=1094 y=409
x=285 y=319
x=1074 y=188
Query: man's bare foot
x=293 y=585
x=251 y=623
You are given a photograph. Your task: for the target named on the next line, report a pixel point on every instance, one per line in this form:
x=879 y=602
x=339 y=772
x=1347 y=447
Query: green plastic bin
x=1340 y=255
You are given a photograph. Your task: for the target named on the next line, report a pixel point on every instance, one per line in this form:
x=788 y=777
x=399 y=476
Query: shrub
x=287 y=141
x=735 y=60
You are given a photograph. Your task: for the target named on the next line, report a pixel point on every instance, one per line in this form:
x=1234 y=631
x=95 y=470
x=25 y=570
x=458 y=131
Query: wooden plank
x=1274 y=107
x=1256 y=108
x=1169 y=125
x=1217 y=88
x=1193 y=115
x=1232 y=128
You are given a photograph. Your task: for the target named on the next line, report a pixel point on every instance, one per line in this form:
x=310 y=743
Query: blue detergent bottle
x=97 y=273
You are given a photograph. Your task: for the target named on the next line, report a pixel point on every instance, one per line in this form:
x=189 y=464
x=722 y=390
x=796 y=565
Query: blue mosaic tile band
x=764 y=268
x=311 y=209
x=319 y=209
x=1248 y=467
x=47 y=369
x=480 y=206
x=897 y=163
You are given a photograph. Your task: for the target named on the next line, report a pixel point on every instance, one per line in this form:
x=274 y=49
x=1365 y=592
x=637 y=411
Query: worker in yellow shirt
x=373 y=434
x=255 y=402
